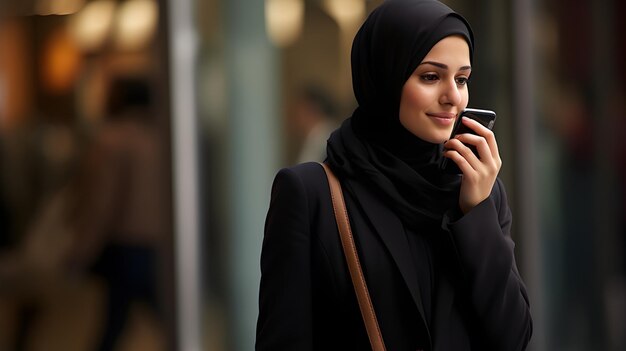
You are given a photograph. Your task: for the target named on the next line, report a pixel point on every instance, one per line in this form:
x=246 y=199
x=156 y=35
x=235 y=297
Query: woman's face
x=436 y=92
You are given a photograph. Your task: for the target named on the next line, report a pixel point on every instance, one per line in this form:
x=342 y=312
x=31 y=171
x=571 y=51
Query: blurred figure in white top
x=312 y=118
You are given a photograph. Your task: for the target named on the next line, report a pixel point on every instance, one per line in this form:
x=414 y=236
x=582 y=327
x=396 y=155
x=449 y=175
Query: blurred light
x=91 y=26
x=345 y=12
x=58 y=7
x=61 y=62
x=284 y=19
x=136 y=23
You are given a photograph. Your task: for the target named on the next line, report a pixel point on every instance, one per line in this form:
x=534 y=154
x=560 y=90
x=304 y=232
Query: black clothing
x=405 y=184
x=372 y=145
x=307 y=300
x=438 y=280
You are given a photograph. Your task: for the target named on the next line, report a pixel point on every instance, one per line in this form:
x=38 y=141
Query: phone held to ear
x=485 y=117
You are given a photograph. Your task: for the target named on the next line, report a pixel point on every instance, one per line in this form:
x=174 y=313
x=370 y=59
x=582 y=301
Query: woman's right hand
x=479 y=172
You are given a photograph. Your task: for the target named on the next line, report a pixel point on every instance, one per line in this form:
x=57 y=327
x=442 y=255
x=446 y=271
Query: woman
x=435 y=249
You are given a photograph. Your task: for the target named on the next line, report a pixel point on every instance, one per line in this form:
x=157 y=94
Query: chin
x=437 y=135
x=433 y=136
x=437 y=139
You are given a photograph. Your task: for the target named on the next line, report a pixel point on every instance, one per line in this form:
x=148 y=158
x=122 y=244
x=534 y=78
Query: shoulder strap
x=352 y=257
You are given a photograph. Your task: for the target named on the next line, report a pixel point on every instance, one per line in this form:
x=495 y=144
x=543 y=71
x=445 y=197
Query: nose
x=450 y=93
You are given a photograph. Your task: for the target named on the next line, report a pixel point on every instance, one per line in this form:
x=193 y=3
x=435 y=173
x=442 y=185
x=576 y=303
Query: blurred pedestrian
x=120 y=206
x=312 y=117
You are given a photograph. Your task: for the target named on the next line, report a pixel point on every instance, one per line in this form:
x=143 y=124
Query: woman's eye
x=462 y=80
x=429 y=77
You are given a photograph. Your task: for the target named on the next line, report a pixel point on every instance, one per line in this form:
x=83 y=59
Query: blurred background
x=139 y=140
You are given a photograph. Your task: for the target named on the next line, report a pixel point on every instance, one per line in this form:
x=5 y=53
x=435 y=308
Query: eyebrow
x=444 y=66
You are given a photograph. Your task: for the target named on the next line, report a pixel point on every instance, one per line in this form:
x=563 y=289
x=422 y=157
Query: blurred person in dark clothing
x=120 y=205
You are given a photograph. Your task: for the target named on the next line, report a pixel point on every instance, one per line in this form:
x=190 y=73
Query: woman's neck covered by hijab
x=398 y=141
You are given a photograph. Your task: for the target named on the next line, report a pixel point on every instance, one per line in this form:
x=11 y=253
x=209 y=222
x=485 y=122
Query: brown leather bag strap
x=352 y=257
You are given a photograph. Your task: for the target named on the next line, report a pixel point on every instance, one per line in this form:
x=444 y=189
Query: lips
x=442 y=115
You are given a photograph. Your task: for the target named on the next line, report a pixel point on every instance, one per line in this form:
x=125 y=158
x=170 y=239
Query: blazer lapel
x=388 y=226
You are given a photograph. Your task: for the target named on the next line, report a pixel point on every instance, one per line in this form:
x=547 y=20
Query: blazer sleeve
x=485 y=250
x=285 y=318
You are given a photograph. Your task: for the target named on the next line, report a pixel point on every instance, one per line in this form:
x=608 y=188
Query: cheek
x=416 y=97
x=465 y=99
x=408 y=105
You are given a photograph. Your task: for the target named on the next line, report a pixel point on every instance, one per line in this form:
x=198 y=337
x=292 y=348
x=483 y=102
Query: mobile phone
x=485 y=117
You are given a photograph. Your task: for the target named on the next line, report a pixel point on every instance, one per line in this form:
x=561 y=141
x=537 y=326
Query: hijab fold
x=372 y=146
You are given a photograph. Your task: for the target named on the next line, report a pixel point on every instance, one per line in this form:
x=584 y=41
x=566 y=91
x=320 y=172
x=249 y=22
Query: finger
x=474 y=125
x=460 y=161
x=484 y=152
x=463 y=151
x=485 y=133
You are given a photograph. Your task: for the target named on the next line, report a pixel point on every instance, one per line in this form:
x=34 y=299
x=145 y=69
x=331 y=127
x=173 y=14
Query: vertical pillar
x=182 y=55
x=605 y=203
x=253 y=96
x=525 y=115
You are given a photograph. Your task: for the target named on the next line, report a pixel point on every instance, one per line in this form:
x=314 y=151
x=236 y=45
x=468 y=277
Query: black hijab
x=372 y=146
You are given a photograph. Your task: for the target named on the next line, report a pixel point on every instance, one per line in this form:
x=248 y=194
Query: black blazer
x=307 y=301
